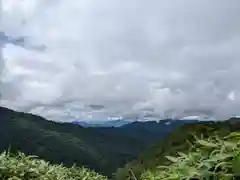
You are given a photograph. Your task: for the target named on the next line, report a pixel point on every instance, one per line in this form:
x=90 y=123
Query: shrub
x=207 y=159
x=21 y=167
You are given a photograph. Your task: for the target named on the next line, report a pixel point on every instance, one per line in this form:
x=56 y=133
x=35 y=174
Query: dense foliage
x=212 y=157
x=180 y=140
x=208 y=158
x=21 y=167
x=193 y=151
x=100 y=149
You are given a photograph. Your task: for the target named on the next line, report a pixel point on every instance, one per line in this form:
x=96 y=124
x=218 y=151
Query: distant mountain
x=110 y=123
x=117 y=123
x=164 y=126
x=170 y=124
x=147 y=131
x=81 y=123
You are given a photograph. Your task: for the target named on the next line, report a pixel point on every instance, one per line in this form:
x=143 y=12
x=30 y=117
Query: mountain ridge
x=103 y=149
x=112 y=123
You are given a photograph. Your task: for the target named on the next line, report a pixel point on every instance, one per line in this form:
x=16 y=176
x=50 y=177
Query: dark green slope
x=178 y=141
x=66 y=143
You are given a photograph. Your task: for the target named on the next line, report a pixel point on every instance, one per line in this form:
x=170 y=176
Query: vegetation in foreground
x=21 y=167
x=68 y=144
x=180 y=142
x=211 y=158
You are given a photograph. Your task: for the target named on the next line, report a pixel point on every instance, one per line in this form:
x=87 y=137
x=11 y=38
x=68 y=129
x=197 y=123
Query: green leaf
x=172 y=159
x=236 y=165
x=207 y=144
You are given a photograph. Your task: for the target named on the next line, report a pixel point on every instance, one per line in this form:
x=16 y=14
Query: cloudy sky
x=93 y=60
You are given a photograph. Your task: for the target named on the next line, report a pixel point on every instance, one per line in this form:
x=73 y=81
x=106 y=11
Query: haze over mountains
x=120 y=123
x=109 y=123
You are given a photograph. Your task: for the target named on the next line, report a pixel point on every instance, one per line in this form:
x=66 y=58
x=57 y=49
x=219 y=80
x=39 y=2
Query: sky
x=108 y=59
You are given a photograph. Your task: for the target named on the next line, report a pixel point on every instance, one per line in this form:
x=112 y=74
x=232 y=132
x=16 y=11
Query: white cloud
x=131 y=57
x=231 y=96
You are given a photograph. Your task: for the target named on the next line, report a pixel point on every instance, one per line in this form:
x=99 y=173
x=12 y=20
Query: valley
x=110 y=151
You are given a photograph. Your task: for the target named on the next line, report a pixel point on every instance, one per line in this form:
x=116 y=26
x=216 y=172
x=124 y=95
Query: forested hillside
x=180 y=140
x=101 y=149
x=106 y=149
x=65 y=143
x=212 y=155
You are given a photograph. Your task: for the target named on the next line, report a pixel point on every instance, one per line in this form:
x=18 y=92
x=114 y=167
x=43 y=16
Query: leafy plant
x=209 y=158
x=21 y=167
x=181 y=140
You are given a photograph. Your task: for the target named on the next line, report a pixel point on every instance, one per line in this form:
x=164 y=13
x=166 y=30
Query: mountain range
x=111 y=123
x=103 y=149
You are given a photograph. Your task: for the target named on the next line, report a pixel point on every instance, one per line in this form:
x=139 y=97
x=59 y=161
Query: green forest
x=35 y=148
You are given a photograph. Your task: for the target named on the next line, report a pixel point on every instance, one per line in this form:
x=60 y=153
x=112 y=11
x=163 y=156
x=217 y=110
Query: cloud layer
x=122 y=58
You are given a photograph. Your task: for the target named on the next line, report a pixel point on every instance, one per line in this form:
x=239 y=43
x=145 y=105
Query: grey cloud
x=157 y=58
x=19 y=41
